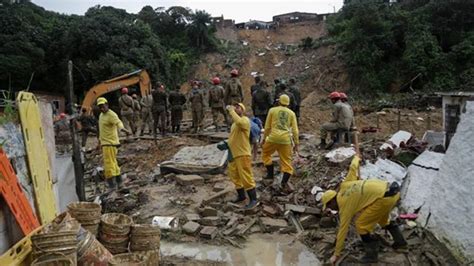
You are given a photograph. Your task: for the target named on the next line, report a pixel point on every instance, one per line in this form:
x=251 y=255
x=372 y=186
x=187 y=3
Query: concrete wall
x=449 y=193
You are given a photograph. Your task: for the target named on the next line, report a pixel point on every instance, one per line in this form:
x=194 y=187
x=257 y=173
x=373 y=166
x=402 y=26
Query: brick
x=185 y=180
x=208 y=211
x=191 y=228
x=208 y=232
x=219 y=187
x=273 y=224
x=269 y=210
x=210 y=221
x=193 y=217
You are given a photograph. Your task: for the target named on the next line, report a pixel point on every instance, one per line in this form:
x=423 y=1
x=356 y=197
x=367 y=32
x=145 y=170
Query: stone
x=208 y=211
x=313 y=210
x=327 y=222
x=295 y=208
x=191 y=228
x=308 y=221
x=269 y=210
x=273 y=224
x=208 y=232
x=219 y=187
x=186 y=180
x=232 y=221
x=210 y=221
x=192 y=217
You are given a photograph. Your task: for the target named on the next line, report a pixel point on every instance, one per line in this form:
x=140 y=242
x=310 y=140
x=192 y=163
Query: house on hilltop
x=294 y=17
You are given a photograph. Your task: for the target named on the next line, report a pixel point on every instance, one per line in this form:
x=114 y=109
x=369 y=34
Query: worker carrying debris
x=372 y=201
x=233 y=89
x=240 y=168
x=127 y=110
x=196 y=98
x=88 y=125
x=176 y=100
x=146 y=103
x=261 y=101
x=216 y=102
x=342 y=119
x=159 y=109
x=281 y=135
x=109 y=124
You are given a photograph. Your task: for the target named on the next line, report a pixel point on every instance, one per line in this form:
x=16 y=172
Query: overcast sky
x=241 y=11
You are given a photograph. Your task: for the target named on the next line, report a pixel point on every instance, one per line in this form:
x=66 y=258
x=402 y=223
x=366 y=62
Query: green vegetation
x=102 y=44
x=386 y=46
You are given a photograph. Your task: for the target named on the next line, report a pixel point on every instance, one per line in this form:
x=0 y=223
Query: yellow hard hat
x=327 y=197
x=241 y=105
x=284 y=99
x=101 y=100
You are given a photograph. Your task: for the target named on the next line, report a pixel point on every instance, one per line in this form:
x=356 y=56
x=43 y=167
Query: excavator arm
x=139 y=76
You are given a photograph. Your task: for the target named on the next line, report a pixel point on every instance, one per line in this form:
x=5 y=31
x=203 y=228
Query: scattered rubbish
x=280 y=63
x=114 y=232
x=307 y=67
x=340 y=154
x=317 y=192
x=261 y=54
x=411 y=224
x=245 y=43
x=165 y=222
x=396 y=139
x=435 y=140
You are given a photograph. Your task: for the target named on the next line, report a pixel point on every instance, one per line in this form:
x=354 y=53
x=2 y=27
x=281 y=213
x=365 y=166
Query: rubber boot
x=323 y=144
x=399 y=241
x=270 y=172
x=118 y=179
x=110 y=184
x=371 y=247
x=286 y=189
x=253 y=199
x=240 y=196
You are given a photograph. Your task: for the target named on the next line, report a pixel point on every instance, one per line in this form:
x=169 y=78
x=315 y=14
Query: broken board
x=37 y=155
x=196 y=160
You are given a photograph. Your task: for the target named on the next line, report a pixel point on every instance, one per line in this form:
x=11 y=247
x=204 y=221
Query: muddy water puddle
x=260 y=249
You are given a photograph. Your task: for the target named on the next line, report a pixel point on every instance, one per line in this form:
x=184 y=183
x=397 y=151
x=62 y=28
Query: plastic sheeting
x=65 y=188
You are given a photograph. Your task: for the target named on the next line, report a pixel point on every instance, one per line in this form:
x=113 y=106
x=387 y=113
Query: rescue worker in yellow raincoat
x=373 y=201
x=109 y=125
x=281 y=135
x=240 y=168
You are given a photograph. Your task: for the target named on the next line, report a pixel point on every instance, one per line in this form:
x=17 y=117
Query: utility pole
x=76 y=147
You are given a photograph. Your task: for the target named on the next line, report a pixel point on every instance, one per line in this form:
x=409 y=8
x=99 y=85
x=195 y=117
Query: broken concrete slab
x=309 y=221
x=219 y=187
x=217 y=195
x=208 y=211
x=209 y=232
x=185 y=180
x=191 y=228
x=269 y=210
x=396 y=139
x=273 y=224
x=384 y=169
x=302 y=209
x=210 y=221
x=196 y=160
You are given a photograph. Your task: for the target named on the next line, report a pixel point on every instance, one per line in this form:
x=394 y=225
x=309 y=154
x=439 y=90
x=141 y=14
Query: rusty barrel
x=90 y=251
x=129 y=259
x=87 y=213
x=114 y=232
x=53 y=259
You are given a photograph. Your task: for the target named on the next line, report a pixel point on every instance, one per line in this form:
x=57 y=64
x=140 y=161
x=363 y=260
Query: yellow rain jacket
x=279 y=125
x=239 y=143
x=109 y=124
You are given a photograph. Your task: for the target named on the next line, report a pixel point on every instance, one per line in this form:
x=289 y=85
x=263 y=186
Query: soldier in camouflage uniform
x=159 y=109
x=216 y=102
x=196 y=98
x=146 y=103
x=176 y=100
x=126 y=111
x=233 y=89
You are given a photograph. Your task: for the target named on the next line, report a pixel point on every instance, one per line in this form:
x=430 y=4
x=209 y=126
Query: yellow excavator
x=139 y=76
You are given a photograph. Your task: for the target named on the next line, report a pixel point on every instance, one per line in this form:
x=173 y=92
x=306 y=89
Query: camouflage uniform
x=159 y=110
x=176 y=100
x=261 y=103
x=136 y=115
x=296 y=92
x=126 y=112
x=196 y=99
x=216 y=102
x=146 y=104
x=342 y=118
x=233 y=91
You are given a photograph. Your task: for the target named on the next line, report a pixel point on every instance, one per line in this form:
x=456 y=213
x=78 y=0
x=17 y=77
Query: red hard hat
x=234 y=72
x=342 y=95
x=216 y=80
x=62 y=115
x=124 y=90
x=334 y=95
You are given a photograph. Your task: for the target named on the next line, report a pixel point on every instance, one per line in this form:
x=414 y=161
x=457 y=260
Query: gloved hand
x=229 y=107
x=222 y=146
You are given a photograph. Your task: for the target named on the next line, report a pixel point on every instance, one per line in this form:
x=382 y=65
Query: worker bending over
x=342 y=118
x=240 y=168
x=281 y=135
x=372 y=201
x=109 y=124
